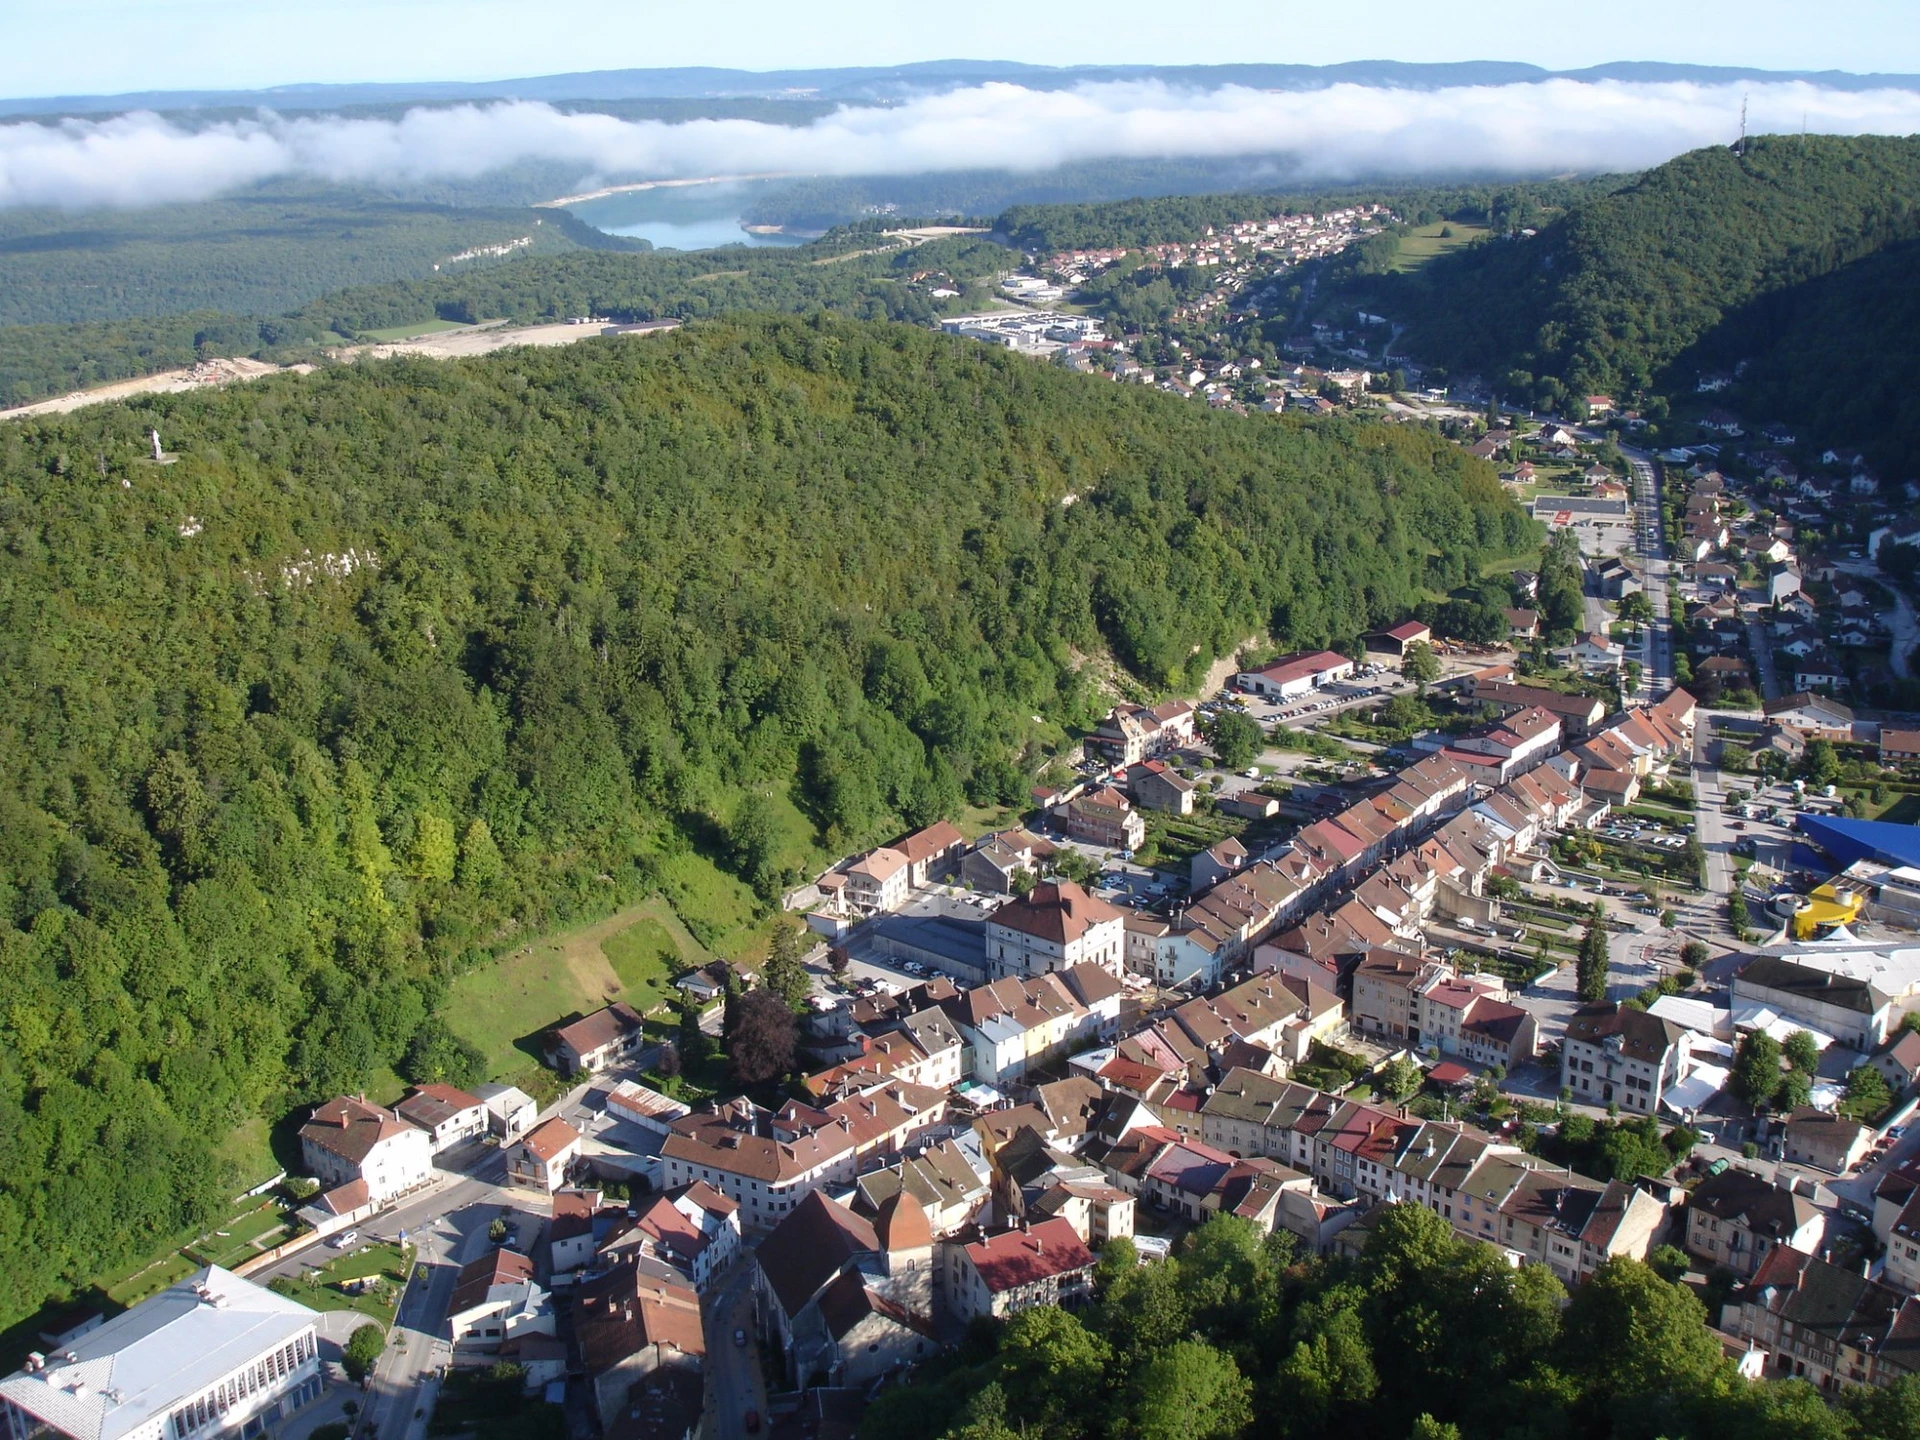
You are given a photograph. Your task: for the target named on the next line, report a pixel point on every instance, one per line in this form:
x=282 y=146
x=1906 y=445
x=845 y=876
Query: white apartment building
x=1616 y=1056
x=449 y=1116
x=1055 y=927
x=348 y=1140
x=879 y=880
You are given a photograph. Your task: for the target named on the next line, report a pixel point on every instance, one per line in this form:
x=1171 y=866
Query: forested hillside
x=1425 y=1335
x=261 y=252
x=857 y=272
x=1151 y=220
x=1606 y=298
x=403 y=658
x=1834 y=356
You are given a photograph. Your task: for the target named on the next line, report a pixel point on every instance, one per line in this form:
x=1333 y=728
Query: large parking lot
x=1370 y=682
x=1633 y=830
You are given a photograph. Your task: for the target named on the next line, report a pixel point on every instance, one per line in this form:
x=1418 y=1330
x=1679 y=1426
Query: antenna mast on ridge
x=1742 y=150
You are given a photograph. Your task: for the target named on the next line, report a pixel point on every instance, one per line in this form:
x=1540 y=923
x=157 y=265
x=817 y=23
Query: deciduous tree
x=1236 y=738
x=362 y=1352
x=1756 y=1071
x=1420 y=665
x=761 y=1045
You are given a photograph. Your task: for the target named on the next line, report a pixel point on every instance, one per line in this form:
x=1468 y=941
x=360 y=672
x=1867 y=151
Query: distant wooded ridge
x=881 y=83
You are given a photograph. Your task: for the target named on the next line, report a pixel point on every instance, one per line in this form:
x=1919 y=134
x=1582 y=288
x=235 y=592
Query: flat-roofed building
x=510 y=1110
x=212 y=1356
x=648 y=1109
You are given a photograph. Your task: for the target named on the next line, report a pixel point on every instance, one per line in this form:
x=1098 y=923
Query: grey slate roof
x=140 y=1365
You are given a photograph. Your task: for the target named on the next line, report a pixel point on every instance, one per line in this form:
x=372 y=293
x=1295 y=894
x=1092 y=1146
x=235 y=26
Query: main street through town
x=735 y=1384
x=447 y=1223
x=1650 y=543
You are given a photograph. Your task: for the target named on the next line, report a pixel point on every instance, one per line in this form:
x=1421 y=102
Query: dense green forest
x=1084 y=187
x=1607 y=298
x=403 y=658
x=1833 y=356
x=1424 y=1335
x=266 y=250
x=853 y=271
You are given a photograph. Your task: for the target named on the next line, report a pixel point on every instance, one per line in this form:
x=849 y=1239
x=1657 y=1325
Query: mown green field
x=631 y=955
x=1417 y=248
x=323 y=1289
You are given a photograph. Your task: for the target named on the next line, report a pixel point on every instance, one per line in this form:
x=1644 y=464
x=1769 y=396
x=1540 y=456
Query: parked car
x=345 y=1239
x=740 y=1338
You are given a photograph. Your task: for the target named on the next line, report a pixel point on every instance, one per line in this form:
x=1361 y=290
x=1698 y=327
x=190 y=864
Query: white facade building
x=1053 y=928
x=214 y=1355
x=347 y=1140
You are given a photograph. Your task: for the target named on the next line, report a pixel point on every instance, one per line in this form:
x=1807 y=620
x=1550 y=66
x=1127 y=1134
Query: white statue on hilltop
x=154 y=435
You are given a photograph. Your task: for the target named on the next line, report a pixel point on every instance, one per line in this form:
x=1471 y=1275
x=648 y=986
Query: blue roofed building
x=1850 y=840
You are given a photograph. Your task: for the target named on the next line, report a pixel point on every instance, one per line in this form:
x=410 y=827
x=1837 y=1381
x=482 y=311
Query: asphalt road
x=734 y=1382
x=1657 y=651
x=1762 y=648
x=447 y=1224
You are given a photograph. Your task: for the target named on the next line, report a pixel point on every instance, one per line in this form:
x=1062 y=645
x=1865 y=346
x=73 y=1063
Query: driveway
x=1906 y=633
x=1762 y=648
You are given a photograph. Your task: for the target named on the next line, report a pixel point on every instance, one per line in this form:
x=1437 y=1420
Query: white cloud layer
x=1341 y=132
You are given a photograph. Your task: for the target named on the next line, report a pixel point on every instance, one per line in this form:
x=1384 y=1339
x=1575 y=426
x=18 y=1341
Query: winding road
x=1905 y=631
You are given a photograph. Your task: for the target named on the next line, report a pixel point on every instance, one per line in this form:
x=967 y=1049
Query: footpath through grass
x=252 y=1225
x=632 y=955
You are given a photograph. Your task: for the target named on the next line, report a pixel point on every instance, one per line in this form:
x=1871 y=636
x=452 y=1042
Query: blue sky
x=97 y=46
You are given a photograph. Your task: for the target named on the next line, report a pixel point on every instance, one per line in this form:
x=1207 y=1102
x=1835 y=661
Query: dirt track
x=447 y=345
x=202 y=376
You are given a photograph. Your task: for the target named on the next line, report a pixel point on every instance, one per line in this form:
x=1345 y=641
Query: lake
x=683 y=217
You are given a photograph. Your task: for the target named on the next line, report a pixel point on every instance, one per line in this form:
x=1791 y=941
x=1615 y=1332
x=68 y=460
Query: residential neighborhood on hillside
x=1349 y=976
x=1193 y=749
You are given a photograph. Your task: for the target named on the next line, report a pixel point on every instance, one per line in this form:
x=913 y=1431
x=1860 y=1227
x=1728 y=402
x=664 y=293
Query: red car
x=753 y=1422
